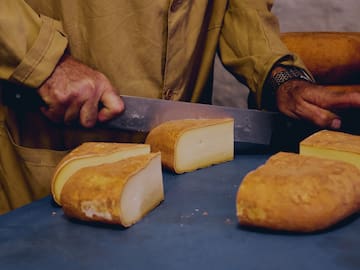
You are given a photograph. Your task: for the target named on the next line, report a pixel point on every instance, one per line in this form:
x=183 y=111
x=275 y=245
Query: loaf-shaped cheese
x=91 y=154
x=190 y=144
x=296 y=193
x=332 y=145
x=332 y=57
x=121 y=192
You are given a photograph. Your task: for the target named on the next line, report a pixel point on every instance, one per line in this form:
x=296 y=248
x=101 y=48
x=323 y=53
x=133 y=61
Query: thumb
x=112 y=105
x=321 y=117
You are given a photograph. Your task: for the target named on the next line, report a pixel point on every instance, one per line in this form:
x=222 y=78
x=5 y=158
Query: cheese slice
x=121 y=192
x=91 y=154
x=298 y=193
x=332 y=145
x=190 y=144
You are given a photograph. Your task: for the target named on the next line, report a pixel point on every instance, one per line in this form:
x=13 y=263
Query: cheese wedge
x=332 y=145
x=121 y=192
x=291 y=192
x=91 y=154
x=190 y=144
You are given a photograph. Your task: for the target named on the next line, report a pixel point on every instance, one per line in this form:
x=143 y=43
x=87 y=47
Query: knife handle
x=20 y=97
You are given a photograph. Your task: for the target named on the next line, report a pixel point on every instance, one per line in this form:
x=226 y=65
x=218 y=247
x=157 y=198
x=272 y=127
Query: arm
x=30 y=49
x=74 y=92
x=30 y=45
x=334 y=60
x=315 y=103
x=251 y=48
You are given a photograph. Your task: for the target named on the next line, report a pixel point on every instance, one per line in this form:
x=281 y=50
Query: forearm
x=250 y=44
x=30 y=45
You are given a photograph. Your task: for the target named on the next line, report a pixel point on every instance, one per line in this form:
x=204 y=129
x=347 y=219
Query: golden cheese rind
x=190 y=144
x=97 y=193
x=332 y=57
x=298 y=193
x=89 y=154
x=332 y=145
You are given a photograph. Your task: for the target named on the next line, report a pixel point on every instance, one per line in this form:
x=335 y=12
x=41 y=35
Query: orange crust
x=101 y=188
x=296 y=193
x=334 y=140
x=85 y=150
x=164 y=137
x=332 y=57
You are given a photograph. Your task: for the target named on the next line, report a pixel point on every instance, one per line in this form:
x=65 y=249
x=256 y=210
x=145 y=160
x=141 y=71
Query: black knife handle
x=20 y=97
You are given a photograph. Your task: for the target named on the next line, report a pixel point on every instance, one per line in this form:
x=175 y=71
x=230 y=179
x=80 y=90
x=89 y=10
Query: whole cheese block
x=121 y=192
x=332 y=57
x=91 y=154
x=332 y=145
x=190 y=144
x=296 y=193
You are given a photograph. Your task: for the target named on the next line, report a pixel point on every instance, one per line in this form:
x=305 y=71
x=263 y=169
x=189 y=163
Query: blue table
x=194 y=228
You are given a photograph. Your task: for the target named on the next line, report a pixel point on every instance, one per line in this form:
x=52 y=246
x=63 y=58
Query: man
x=79 y=54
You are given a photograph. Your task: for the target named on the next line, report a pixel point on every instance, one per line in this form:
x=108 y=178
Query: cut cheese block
x=91 y=154
x=190 y=144
x=291 y=192
x=333 y=145
x=121 y=192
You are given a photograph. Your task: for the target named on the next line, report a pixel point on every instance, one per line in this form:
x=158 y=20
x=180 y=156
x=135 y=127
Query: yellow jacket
x=159 y=49
x=146 y=48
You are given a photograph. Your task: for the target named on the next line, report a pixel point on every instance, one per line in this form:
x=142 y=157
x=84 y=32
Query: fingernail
x=336 y=124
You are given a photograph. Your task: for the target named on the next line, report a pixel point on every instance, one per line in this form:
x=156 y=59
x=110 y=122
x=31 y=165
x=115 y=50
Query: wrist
x=283 y=74
x=279 y=76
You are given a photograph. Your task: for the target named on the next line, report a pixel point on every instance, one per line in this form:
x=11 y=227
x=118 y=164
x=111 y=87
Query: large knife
x=143 y=114
x=253 y=129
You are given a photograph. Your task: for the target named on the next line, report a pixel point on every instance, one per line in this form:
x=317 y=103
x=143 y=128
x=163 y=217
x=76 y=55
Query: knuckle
x=101 y=77
x=321 y=119
x=59 y=97
x=102 y=82
x=88 y=121
x=116 y=110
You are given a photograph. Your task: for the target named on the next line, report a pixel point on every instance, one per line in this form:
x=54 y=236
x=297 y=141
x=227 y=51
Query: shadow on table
x=343 y=223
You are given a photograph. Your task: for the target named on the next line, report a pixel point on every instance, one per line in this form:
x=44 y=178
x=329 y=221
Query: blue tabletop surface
x=194 y=228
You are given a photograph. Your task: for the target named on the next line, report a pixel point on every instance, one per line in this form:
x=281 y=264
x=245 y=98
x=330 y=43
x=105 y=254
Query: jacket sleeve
x=30 y=44
x=250 y=44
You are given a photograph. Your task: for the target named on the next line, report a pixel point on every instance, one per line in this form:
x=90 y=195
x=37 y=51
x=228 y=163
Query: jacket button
x=175 y=5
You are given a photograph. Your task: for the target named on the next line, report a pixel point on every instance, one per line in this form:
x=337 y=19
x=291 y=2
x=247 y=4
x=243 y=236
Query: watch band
x=291 y=73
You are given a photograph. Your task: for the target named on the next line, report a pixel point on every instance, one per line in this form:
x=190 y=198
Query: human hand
x=74 y=92
x=316 y=103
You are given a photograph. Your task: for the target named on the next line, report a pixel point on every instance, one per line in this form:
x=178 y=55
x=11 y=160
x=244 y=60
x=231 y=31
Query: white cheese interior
x=349 y=157
x=202 y=147
x=77 y=164
x=143 y=192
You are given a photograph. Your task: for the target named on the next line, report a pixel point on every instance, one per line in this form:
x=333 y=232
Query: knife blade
x=142 y=114
x=255 y=131
x=251 y=127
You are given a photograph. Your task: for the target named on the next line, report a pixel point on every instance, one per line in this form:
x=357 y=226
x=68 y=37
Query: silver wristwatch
x=291 y=73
